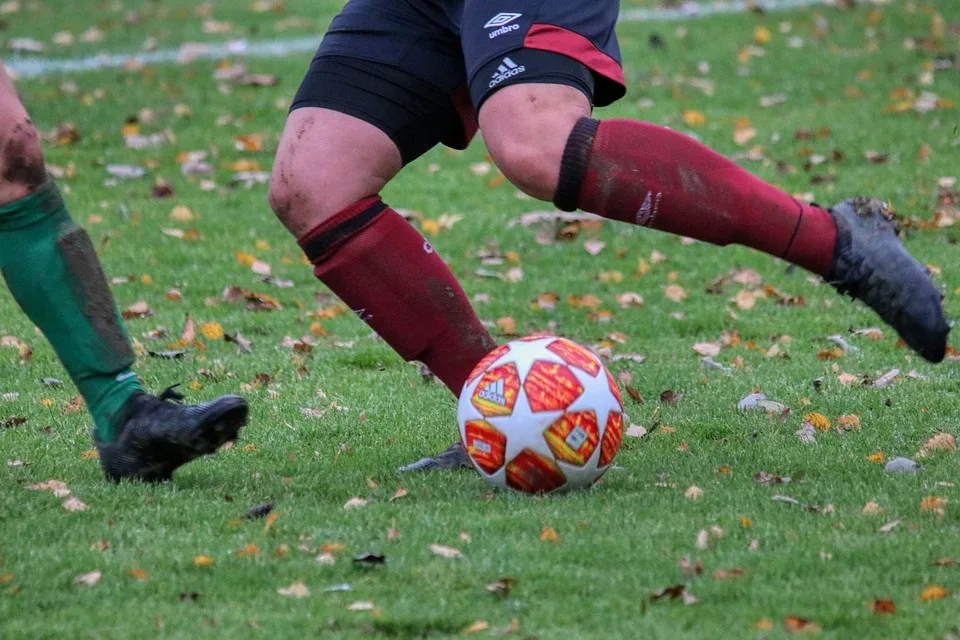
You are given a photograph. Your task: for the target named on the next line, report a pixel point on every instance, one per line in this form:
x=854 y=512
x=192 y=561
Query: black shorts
x=419 y=70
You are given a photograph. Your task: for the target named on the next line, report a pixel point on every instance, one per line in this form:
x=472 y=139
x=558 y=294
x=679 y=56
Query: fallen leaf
x=678 y=294
x=635 y=431
x=883 y=607
x=479 y=625
x=940 y=442
x=703 y=539
x=946 y=562
x=693 y=492
x=818 y=421
x=361 y=605
x=706 y=349
x=548 y=534
x=399 y=493
x=203 y=561
x=247 y=550
x=890 y=526
x=933 y=592
x=872 y=509
x=933 y=503
x=675 y=592
x=726 y=574
x=73 y=504
x=445 y=552
x=138 y=574
x=354 y=503
x=876 y=458
x=794 y=624
x=295 y=590
x=88 y=579
x=501 y=586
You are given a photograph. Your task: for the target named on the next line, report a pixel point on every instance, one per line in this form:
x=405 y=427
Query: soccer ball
x=541 y=414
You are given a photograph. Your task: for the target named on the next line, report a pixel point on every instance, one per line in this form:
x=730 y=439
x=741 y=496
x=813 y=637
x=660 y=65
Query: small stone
x=902 y=465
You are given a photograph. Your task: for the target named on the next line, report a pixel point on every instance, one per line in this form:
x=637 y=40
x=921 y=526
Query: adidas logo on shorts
x=493 y=392
x=502 y=20
x=507 y=69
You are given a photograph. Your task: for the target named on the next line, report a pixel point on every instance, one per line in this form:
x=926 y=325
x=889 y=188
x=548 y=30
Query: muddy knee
x=21 y=160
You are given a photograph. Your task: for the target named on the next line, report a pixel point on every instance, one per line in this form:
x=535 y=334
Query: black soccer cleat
x=156 y=435
x=870 y=264
x=455 y=457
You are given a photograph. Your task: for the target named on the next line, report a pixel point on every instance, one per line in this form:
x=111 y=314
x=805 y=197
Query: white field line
x=33 y=67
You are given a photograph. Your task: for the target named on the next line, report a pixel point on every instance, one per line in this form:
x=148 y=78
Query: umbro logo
x=501 y=19
x=502 y=23
x=507 y=69
x=493 y=392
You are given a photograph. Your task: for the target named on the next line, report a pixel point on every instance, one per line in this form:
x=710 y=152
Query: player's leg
x=535 y=121
x=52 y=271
x=353 y=125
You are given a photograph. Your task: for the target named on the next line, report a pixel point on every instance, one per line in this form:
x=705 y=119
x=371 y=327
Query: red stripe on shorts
x=548 y=37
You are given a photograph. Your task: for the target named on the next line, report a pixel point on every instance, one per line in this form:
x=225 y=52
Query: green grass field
x=844 y=114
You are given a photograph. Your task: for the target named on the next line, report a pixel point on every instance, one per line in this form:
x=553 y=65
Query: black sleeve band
x=316 y=248
x=573 y=166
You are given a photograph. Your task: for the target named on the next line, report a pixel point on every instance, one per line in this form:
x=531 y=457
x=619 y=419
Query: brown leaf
x=400 y=493
x=671 y=398
x=726 y=574
x=203 y=561
x=883 y=607
x=933 y=503
x=189 y=333
x=691 y=569
x=946 y=562
x=795 y=624
x=137 y=310
x=507 y=326
x=675 y=592
x=940 y=442
x=501 y=586
x=138 y=574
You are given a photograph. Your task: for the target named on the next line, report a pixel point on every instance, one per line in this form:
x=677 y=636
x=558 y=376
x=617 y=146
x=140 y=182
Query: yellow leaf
x=549 y=535
x=212 y=330
x=818 y=420
x=203 y=561
x=47 y=403
x=146 y=279
x=762 y=36
x=430 y=227
x=246 y=550
x=694 y=118
x=268 y=524
x=745 y=522
x=933 y=503
x=138 y=574
x=763 y=624
x=245 y=259
x=90 y=454
x=933 y=592
x=876 y=457
x=242 y=165
x=195 y=385
x=479 y=625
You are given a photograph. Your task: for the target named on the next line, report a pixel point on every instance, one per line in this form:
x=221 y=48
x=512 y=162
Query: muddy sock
x=54 y=275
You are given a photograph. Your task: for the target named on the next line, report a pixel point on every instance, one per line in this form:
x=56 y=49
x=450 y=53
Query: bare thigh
x=327 y=161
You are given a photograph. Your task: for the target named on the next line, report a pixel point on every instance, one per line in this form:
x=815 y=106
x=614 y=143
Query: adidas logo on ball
x=493 y=392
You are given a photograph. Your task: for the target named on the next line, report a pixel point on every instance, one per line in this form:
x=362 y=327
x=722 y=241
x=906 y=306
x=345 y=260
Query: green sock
x=55 y=276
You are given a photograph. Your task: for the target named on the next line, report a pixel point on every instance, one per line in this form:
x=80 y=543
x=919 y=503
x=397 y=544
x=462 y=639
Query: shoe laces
x=170 y=394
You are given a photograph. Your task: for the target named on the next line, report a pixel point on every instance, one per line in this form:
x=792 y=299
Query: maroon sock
x=392 y=278
x=651 y=176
